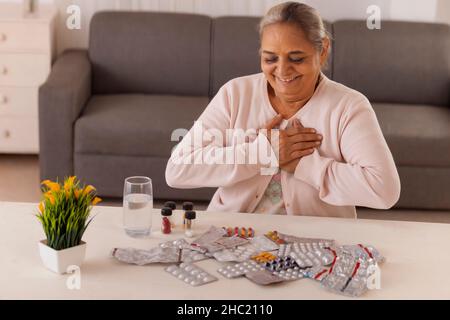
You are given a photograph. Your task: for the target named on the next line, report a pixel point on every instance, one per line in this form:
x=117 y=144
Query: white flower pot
x=59 y=260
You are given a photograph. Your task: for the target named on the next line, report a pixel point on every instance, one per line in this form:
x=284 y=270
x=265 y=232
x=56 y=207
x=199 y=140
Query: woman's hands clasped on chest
x=294 y=143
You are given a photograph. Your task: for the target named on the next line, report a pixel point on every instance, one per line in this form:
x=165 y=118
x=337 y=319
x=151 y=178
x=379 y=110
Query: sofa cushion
x=235 y=49
x=134 y=125
x=151 y=53
x=418 y=135
x=108 y=172
x=404 y=62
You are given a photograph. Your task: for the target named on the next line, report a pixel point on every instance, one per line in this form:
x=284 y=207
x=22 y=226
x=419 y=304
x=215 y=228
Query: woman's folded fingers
x=304 y=145
x=305 y=137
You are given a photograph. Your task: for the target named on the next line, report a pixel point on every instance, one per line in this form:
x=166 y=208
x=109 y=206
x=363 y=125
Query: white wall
x=443 y=11
x=409 y=10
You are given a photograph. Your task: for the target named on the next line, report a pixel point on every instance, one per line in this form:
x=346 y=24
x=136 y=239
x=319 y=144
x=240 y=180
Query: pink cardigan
x=352 y=167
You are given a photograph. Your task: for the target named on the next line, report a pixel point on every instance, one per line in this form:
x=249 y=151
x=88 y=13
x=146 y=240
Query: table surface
x=417 y=258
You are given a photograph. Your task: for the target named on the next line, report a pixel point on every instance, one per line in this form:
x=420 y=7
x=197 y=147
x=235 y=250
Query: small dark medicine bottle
x=190 y=217
x=172 y=205
x=166 y=218
x=187 y=206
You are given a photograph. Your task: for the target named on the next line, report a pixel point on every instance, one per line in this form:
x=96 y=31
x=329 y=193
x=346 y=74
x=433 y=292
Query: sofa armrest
x=61 y=100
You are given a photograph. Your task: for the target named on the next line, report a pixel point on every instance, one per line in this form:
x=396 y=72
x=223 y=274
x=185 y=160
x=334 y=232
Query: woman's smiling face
x=290 y=61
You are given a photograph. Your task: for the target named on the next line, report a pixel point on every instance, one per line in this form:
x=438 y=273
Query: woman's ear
x=325 y=51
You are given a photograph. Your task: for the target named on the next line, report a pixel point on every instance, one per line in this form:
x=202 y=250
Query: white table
x=417 y=254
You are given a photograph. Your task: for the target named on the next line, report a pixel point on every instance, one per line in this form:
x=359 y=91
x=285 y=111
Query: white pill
x=171 y=268
x=176 y=272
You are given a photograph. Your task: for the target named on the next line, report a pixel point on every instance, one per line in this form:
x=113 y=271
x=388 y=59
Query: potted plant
x=64 y=214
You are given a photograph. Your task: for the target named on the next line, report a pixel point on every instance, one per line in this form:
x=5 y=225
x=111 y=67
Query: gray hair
x=301 y=15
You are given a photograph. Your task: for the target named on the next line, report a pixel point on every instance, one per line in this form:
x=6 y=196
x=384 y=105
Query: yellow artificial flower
x=88 y=189
x=77 y=193
x=96 y=200
x=41 y=207
x=53 y=186
x=68 y=184
x=51 y=198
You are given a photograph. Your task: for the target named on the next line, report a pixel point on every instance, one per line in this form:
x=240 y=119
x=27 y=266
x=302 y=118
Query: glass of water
x=137 y=206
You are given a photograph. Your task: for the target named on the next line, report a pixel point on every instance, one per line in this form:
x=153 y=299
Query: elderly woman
x=328 y=149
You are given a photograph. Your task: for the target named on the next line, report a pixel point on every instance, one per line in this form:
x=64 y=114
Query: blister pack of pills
x=179 y=243
x=307 y=255
x=264 y=257
x=317 y=273
x=345 y=271
x=240 y=269
x=280 y=264
x=286 y=248
x=207 y=241
x=143 y=257
x=281 y=238
x=263 y=277
x=191 y=274
x=290 y=274
x=351 y=271
x=262 y=243
x=240 y=231
x=363 y=252
x=245 y=252
x=239 y=254
x=231 y=242
x=313 y=258
x=187 y=254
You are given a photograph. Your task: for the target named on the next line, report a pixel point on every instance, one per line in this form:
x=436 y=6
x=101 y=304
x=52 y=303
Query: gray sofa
x=108 y=112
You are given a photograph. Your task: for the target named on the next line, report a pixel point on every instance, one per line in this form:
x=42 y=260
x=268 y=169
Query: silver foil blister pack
x=191 y=274
x=142 y=257
x=187 y=253
x=307 y=255
x=240 y=269
x=352 y=269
